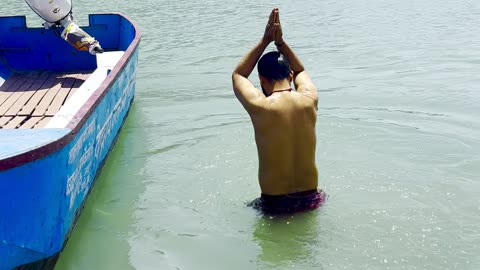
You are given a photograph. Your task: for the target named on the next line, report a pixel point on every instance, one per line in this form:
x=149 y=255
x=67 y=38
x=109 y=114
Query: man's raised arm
x=249 y=96
x=246 y=93
x=303 y=83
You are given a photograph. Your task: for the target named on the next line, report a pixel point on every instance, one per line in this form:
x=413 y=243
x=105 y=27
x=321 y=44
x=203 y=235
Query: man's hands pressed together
x=273 y=30
x=278 y=29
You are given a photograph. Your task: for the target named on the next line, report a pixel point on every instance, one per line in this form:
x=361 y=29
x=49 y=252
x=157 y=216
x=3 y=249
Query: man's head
x=273 y=68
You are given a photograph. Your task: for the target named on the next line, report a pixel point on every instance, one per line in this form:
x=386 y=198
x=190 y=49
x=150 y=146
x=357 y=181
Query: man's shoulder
x=305 y=98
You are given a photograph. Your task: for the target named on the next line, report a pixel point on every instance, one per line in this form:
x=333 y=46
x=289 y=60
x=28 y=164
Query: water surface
x=398 y=149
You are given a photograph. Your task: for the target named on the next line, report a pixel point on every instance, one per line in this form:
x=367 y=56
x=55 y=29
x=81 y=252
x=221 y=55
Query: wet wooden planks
x=30 y=100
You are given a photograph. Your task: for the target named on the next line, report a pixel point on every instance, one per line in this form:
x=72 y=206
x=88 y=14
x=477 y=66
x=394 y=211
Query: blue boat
x=61 y=111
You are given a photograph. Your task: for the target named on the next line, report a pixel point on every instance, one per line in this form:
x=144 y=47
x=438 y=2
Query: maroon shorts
x=290 y=203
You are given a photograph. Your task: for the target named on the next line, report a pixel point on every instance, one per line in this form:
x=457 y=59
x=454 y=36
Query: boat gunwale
x=85 y=111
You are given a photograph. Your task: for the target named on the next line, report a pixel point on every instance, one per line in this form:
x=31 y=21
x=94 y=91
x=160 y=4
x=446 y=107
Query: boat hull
x=44 y=189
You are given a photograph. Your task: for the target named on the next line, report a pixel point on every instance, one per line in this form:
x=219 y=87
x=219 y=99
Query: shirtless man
x=284 y=123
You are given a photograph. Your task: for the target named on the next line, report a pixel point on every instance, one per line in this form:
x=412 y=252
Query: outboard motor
x=59 y=12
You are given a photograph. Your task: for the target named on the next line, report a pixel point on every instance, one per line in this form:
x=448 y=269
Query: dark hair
x=273 y=66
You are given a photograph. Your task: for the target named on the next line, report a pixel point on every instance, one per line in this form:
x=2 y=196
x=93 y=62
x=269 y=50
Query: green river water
x=398 y=140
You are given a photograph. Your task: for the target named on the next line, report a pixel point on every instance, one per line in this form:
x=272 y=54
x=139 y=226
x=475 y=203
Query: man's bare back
x=284 y=123
x=285 y=137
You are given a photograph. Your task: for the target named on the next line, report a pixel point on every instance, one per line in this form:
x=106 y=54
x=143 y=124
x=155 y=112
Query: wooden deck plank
x=29 y=100
x=48 y=98
x=15 y=122
x=4 y=95
x=78 y=82
x=61 y=96
x=39 y=94
x=25 y=97
x=4 y=120
x=43 y=122
x=9 y=82
x=30 y=123
x=15 y=96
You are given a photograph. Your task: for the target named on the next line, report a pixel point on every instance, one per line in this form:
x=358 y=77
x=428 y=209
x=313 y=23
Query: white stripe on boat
x=105 y=61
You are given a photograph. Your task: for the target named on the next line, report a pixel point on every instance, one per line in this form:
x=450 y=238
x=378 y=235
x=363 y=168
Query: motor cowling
x=51 y=11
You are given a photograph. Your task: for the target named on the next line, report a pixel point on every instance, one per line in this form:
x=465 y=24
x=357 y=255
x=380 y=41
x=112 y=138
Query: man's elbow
x=238 y=73
x=235 y=82
x=235 y=76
